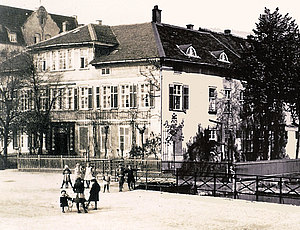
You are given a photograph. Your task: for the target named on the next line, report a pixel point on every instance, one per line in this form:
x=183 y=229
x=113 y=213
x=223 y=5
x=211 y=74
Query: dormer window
x=188 y=50
x=12 y=37
x=220 y=55
x=223 y=58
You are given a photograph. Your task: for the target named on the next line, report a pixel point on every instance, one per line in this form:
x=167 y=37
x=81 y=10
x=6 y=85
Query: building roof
x=136 y=41
x=87 y=34
x=13 y=19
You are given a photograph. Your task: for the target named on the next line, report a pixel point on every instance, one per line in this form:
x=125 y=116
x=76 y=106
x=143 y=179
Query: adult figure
x=79 y=190
x=94 y=192
x=130 y=178
x=106 y=182
x=88 y=176
x=121 y=177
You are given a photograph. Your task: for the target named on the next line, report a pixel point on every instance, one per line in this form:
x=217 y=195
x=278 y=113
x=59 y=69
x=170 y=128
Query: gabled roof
x=87 y=34
x=13 y=19
x=136 y=41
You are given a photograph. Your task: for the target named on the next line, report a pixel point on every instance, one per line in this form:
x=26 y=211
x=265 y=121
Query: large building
x=122 y=84
x=20 y=27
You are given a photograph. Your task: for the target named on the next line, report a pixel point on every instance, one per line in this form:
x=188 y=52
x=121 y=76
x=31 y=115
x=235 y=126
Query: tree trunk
x=5 y=146
x=40 y=151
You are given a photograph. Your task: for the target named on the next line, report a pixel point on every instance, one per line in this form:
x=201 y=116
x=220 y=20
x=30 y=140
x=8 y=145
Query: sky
x=237 y=15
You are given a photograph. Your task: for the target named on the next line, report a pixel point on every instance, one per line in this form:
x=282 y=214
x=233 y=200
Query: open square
x=31 y=201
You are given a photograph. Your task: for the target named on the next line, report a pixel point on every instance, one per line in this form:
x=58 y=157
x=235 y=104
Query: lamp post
x=142 y=131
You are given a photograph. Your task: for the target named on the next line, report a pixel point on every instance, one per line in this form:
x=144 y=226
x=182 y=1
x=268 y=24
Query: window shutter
x=75 y=99
x=171 y=98
x=90 y=98
x=185 y=97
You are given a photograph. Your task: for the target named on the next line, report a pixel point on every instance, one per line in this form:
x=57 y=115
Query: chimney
x=156 y=14
x=99 y=22
x=190 y=26
x=64 y=26
x=227 y=32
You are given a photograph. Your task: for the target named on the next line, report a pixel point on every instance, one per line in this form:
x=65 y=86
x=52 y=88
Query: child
x=64 y=200
x=67 y=177
x=106 y=182
x=94 y=193
x=78 y=188
x=88 y=175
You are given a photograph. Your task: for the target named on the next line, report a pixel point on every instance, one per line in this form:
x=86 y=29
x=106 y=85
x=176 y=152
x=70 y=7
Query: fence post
x=39 y=162
x=103 y=167
x=146 y=179
x=215 y=184
x=61 y=161
x=177 y=182
x=280 y=190
x=234 y=187
x=195 y=183
x=256 y=188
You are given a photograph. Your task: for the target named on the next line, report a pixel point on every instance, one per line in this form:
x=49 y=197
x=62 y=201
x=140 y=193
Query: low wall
x=271 y=167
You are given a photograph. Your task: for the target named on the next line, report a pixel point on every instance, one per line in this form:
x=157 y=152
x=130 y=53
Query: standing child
x=64 y=200
x=78 y=188
x=88 y=175
x=67 y=177
x=94 y=193
x=106 y=182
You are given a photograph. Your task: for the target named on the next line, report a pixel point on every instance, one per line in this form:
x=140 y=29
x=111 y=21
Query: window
x=128 y=96
x=70 y=59
x=227 y=94
x=106 y=96
x=212 y=135
x=44 y=99
x=212 y=100
x=114 y=96
x=86 y=98
x=223 y=58
x=12 y=37
x=105 y=71
x=62 y=59
x=124 y=141
x=191 y=52
x=97 y=97
x=69 y=98
x=147 y=95
x=83 y=58
x=54 y=59
x=37 y=38
x=178 y=97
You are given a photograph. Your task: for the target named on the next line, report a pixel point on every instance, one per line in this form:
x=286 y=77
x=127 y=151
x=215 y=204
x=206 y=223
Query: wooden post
x=146 y=178
x=256 y=188
x=39 y=162
x=215 y=184
x=177 y=182
x=195 y=183
x=280 y=191
x=234 y=187
x=61 y=161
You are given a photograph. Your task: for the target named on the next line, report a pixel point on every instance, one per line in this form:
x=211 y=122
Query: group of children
x=81 y=176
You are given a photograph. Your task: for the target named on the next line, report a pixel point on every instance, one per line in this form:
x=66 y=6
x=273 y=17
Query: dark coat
x=130 y=176
x=78 y=187
x=94 y=192
x=64 y=201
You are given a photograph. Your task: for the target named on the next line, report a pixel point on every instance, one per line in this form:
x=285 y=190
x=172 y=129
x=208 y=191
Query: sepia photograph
x=155 y=115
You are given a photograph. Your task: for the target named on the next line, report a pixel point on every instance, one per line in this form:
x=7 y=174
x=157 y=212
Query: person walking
x=79 y=190
x=66 y=177
x=106 y=182
x=94 y=193
x=88 y=175
x=130 y=178
x=121 y=177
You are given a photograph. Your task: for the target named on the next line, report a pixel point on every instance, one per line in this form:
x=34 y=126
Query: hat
x=63 y=191
x=93 y=180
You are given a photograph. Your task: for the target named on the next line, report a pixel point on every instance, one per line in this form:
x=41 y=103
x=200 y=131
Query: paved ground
x=31 y=201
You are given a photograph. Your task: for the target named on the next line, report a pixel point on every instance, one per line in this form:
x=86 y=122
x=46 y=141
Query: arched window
x=191 y=52
x=223 y=58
